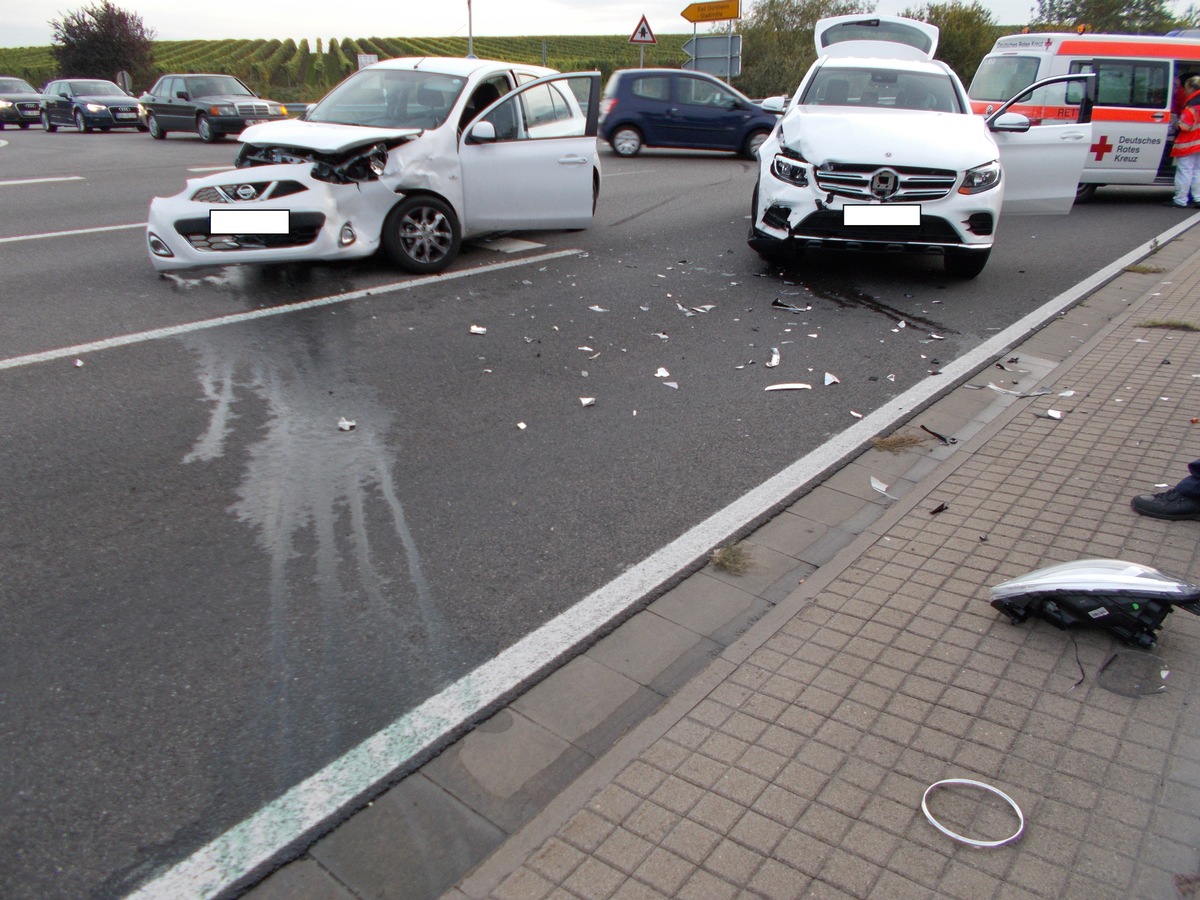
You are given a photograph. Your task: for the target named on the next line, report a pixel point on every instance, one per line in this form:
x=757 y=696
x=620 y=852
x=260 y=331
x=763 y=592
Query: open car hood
x=320 y=137
x=899 y=137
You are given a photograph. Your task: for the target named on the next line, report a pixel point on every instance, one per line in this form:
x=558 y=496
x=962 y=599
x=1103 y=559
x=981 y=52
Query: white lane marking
x=41 y=180
x=212 y=168
x=72 y=233
x=260 y=838
x=141 y=337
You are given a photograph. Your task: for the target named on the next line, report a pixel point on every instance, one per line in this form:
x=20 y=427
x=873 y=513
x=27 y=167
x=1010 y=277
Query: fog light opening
x=157 y=246
x=347 y=235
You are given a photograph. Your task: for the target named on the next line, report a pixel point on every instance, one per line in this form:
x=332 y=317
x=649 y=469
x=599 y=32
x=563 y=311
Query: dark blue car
x=677 y=108
x=87 y=103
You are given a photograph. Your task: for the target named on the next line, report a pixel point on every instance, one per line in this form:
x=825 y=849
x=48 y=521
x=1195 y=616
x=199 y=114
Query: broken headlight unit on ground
x=1129 y=600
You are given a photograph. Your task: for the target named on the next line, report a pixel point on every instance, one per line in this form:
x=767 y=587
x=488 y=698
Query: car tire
x=962 y=263
x=753 y=141
x=142 y=129
x=205 y=129
x=421 y=235
x=626 y=141
x=46 y=124
x=23 y=125
x=81 y=123
x=1085 y=193
x=156 y=130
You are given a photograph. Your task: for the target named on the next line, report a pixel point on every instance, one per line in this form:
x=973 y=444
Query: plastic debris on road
x=830 y=378
x=662 y=373
x=774 y=360
x=345 y=424
x=778 y=303
x=478 y=329
x=791 y=386
x=880 y=487
x=587 y=401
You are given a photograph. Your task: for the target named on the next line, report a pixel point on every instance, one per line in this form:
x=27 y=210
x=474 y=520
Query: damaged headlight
x=364 y=166
x=791 y=169
x=981 y=178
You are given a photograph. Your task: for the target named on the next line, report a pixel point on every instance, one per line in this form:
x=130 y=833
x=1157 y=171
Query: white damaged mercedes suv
x=879 y=150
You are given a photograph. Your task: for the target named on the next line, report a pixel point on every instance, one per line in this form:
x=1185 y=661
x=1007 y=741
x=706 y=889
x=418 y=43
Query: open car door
x=1042 y=163
x=528 y=160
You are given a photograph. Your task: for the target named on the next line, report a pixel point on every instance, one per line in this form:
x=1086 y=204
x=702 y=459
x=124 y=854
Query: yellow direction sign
x=713 y=11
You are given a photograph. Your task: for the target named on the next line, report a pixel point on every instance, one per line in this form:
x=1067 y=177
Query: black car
x=87 y=103
x=676 y=108
x=212 y=106
x=18 y=103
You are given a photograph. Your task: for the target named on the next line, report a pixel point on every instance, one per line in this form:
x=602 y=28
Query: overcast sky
x=25 y=23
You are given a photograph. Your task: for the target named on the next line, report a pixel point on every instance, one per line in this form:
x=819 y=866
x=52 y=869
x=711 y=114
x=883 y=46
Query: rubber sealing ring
x=966 y=840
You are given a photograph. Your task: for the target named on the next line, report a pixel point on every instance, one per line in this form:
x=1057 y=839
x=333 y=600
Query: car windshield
x=885 y=88
x=96 y=89
x=214 y=85
x=15 y=86
x=390 y=98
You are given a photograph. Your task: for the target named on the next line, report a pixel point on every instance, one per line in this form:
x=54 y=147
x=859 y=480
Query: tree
x=1107 y=16
x=777 y=41
x=967 y=32
x=100 y=40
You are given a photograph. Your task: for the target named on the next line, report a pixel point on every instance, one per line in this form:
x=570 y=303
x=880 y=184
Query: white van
x=1136 y=76
x=878 y=150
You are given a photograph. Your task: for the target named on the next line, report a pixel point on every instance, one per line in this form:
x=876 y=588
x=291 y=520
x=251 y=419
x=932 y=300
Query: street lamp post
x=470 y=32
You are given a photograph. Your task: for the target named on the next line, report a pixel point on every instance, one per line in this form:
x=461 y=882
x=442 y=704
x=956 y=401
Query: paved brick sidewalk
x=795 y=765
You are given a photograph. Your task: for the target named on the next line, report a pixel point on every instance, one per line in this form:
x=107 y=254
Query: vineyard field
x=294 y=71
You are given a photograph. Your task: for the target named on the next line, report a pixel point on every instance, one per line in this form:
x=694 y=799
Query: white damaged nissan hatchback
x=879 y=150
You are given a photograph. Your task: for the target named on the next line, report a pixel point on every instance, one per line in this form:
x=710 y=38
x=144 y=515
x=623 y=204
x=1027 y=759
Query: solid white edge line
x=41 y=180
x=255 y=841
x=141 y=337
x=54 y=234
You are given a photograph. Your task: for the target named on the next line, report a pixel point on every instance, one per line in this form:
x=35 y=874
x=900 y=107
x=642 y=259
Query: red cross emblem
x=1101 y=147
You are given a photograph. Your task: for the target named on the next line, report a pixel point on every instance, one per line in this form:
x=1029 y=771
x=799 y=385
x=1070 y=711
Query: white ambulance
x=1136 y=78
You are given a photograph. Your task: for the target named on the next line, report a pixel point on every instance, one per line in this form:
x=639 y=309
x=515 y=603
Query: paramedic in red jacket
x=1186 y=151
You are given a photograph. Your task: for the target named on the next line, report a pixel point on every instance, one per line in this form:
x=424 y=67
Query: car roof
x=454 y=65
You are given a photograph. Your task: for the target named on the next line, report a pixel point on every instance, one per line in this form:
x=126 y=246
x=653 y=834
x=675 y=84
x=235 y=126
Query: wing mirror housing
x=1010 y=122
x=483 y=133
x=774 y=105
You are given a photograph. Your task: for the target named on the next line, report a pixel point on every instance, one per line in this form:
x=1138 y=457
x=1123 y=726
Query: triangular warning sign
x=642 y=34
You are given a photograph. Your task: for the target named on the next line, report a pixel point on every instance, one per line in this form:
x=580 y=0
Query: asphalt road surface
x=210 y=591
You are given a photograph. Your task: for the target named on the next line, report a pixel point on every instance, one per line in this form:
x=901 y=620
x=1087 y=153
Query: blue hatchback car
x=678 y=108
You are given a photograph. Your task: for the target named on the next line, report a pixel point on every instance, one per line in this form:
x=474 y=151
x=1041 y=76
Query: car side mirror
x=774 y=105
x=1010 y=122
x=483 y=133
x=181 y=95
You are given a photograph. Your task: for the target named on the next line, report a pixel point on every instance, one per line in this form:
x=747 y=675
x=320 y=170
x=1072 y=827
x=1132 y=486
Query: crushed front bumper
x=325 y=221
